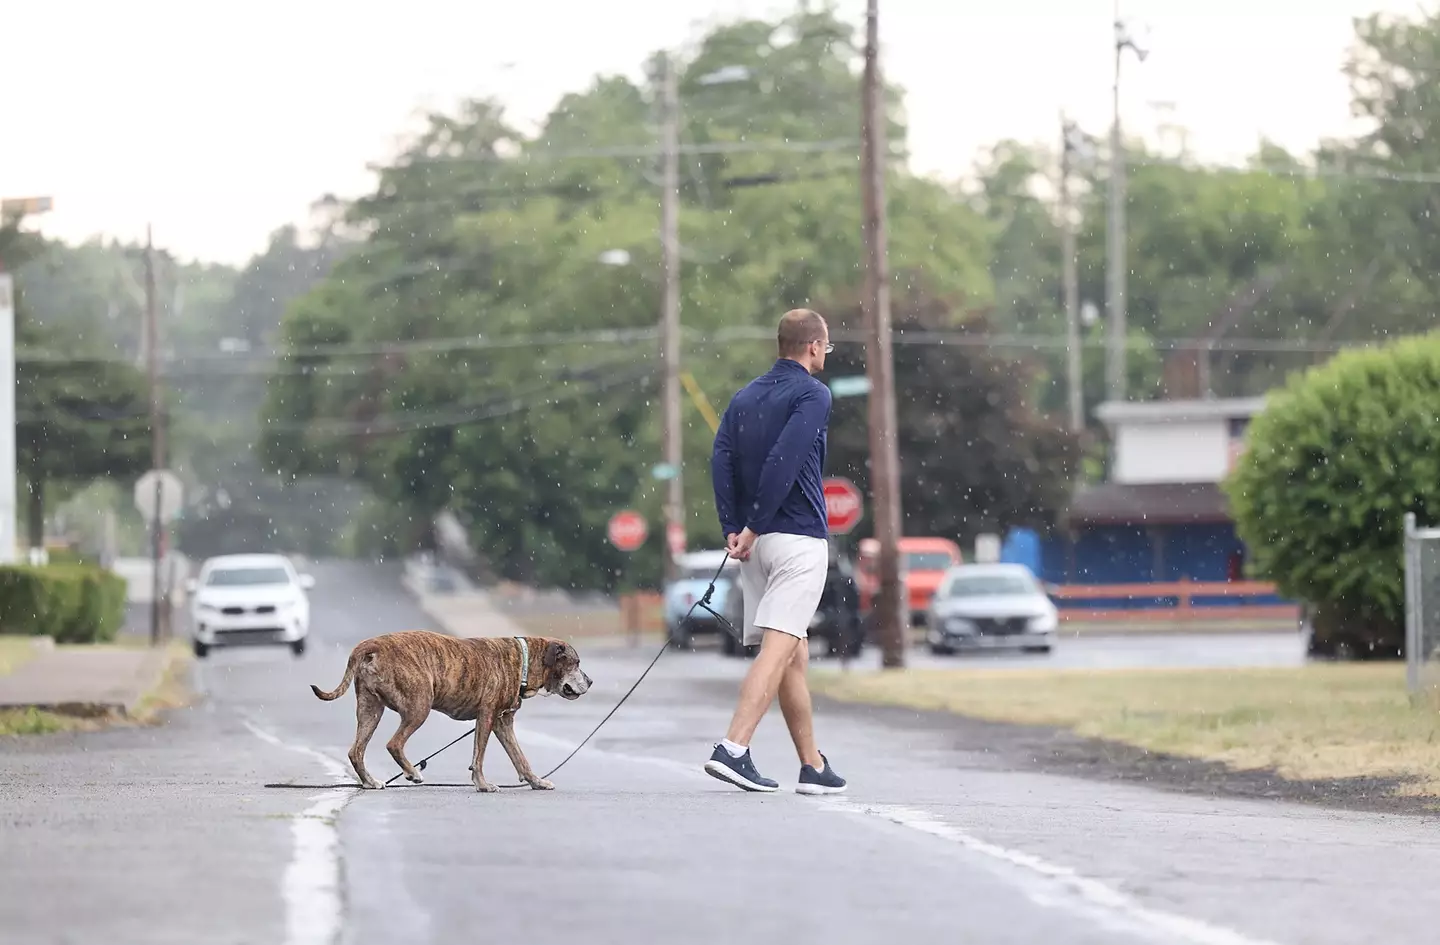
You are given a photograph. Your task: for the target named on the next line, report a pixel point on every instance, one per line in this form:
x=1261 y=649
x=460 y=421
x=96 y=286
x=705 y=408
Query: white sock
x=734 y=750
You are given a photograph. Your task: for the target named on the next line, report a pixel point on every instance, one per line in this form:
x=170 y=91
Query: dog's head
x=563 y=675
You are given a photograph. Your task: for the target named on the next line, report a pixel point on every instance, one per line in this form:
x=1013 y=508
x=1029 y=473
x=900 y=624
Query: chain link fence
x=1422 y=607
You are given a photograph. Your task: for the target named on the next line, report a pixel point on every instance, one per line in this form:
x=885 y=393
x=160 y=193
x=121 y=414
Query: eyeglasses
x=829 y=345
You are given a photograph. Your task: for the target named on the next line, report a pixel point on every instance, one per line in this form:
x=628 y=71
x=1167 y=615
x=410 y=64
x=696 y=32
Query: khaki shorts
x=781 y=584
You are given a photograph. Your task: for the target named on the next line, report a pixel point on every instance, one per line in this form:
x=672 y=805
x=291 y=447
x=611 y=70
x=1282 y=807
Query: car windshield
x=928 y=561
x=246 y=577
x=989 y=585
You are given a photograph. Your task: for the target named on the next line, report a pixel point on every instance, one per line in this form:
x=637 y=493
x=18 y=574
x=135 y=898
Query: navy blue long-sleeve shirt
x=769 y=453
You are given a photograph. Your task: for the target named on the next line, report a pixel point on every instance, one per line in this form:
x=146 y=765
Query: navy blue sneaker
x=737 y=771
x=819 y=782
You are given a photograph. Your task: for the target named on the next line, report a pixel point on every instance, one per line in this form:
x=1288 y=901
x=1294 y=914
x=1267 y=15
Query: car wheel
x=298 y=647
x=201 y=650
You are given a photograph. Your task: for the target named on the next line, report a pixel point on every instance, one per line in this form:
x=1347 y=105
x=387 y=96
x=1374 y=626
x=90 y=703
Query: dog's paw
x=415 y=780
x=485 y=787
x=540 y=784
x=373 y=786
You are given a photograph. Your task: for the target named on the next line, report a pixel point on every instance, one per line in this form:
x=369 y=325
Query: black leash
x=703 y=602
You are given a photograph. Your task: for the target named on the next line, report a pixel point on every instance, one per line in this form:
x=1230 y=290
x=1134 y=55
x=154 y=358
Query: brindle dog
x=414 y=671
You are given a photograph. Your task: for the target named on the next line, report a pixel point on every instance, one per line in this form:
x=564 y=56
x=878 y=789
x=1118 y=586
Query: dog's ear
x=553 y=650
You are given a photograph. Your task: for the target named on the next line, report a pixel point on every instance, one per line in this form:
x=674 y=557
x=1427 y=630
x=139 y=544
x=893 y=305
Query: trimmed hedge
x=70 y=602
x=1331 y=466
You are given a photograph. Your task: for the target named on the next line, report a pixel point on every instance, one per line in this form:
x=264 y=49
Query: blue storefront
x=1139 y=534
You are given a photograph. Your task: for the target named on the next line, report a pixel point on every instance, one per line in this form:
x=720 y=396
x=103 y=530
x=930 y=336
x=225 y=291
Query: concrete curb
x=63 y=695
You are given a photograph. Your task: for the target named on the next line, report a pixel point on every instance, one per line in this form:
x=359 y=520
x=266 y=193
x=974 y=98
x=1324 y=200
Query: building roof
x=1161 y=503
x=1177 y=411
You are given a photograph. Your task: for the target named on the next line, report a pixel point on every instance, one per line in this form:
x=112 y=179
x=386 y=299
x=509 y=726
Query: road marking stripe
x=1044 y=883
x=1076 y=892
x=314 y=910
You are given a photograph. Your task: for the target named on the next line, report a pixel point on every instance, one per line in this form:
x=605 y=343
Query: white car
x=991 y=606
x=249 y=600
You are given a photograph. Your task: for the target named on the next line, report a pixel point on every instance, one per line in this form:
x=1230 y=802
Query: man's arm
x=782 y=465
x=722 y=477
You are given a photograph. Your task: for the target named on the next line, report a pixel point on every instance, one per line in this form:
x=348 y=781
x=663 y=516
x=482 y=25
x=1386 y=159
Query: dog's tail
x=344 y=681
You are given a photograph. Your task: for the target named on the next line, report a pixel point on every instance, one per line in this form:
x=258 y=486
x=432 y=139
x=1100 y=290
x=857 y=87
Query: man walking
x=766 y=468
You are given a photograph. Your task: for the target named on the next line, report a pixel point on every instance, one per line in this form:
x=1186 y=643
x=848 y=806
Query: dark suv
x=837 y=618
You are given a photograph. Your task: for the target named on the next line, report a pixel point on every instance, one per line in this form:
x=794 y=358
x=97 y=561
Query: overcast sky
x=219 y=128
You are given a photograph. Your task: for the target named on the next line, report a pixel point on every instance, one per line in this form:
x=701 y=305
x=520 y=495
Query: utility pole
x=671 y=438
x=157 y=434
x=8 y=472
x=890 y=606
x=1071 y=279
x=1116 y=275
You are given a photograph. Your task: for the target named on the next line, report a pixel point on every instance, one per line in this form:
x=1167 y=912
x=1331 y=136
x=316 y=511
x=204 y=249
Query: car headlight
x=202 y=605
x=1044 y=623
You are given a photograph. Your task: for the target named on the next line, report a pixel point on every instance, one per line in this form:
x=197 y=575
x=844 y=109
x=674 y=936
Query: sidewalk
x=87 y=682
x=463 y=611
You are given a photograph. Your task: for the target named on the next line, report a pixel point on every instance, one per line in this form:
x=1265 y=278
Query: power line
x=477 y=342
x=636 y=151
x=509 y=406
x=1318 y=172
x=630 y=336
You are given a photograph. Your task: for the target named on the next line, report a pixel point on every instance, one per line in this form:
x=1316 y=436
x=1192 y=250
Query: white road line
x=1044 y=883
x=1060 y=886
x=314 y=910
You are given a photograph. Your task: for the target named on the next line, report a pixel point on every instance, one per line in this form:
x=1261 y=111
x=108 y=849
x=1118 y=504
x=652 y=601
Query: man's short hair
x=798 y=327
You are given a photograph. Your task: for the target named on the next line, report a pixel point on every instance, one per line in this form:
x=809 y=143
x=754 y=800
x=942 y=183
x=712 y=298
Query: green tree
x=75 y=421
x=77 y=418
x=478 y=232
x=975 y=456
x=1331 y=467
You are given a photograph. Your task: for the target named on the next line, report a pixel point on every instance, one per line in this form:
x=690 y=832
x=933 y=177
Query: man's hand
x=739 y=545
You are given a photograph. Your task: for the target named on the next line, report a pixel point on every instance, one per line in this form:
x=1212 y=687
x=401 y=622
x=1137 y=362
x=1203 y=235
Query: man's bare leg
x=795 y=706
x=762 y=680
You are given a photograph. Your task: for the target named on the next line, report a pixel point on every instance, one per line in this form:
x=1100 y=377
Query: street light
x=670 y=255
x=724 y=75
x=1115 y=289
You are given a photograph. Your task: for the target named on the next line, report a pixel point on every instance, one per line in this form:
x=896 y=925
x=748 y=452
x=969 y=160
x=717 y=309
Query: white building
x=1161 y=514
x=1176 y=441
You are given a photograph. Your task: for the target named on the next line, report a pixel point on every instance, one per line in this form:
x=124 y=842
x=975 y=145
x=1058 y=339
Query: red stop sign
x=844 y=505
x=627 y=530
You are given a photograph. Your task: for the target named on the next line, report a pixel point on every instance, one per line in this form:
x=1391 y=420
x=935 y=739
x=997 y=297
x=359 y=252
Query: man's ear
x=553 y=649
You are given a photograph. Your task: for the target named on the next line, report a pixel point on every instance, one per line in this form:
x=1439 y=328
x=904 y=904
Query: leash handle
x=702 y=602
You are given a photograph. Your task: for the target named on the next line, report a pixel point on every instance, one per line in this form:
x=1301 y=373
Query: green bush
x=72 y=603
x=1332 y=465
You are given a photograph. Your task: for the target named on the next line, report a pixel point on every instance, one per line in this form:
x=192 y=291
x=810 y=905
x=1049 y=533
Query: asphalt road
x=168 y=835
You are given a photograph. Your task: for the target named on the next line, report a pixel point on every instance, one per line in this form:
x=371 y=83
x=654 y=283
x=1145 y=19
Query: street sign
x=844 y=505
x=627 y=530
x=675 y=535
x=16 y=206
x=850 y=386
x=171 y=493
